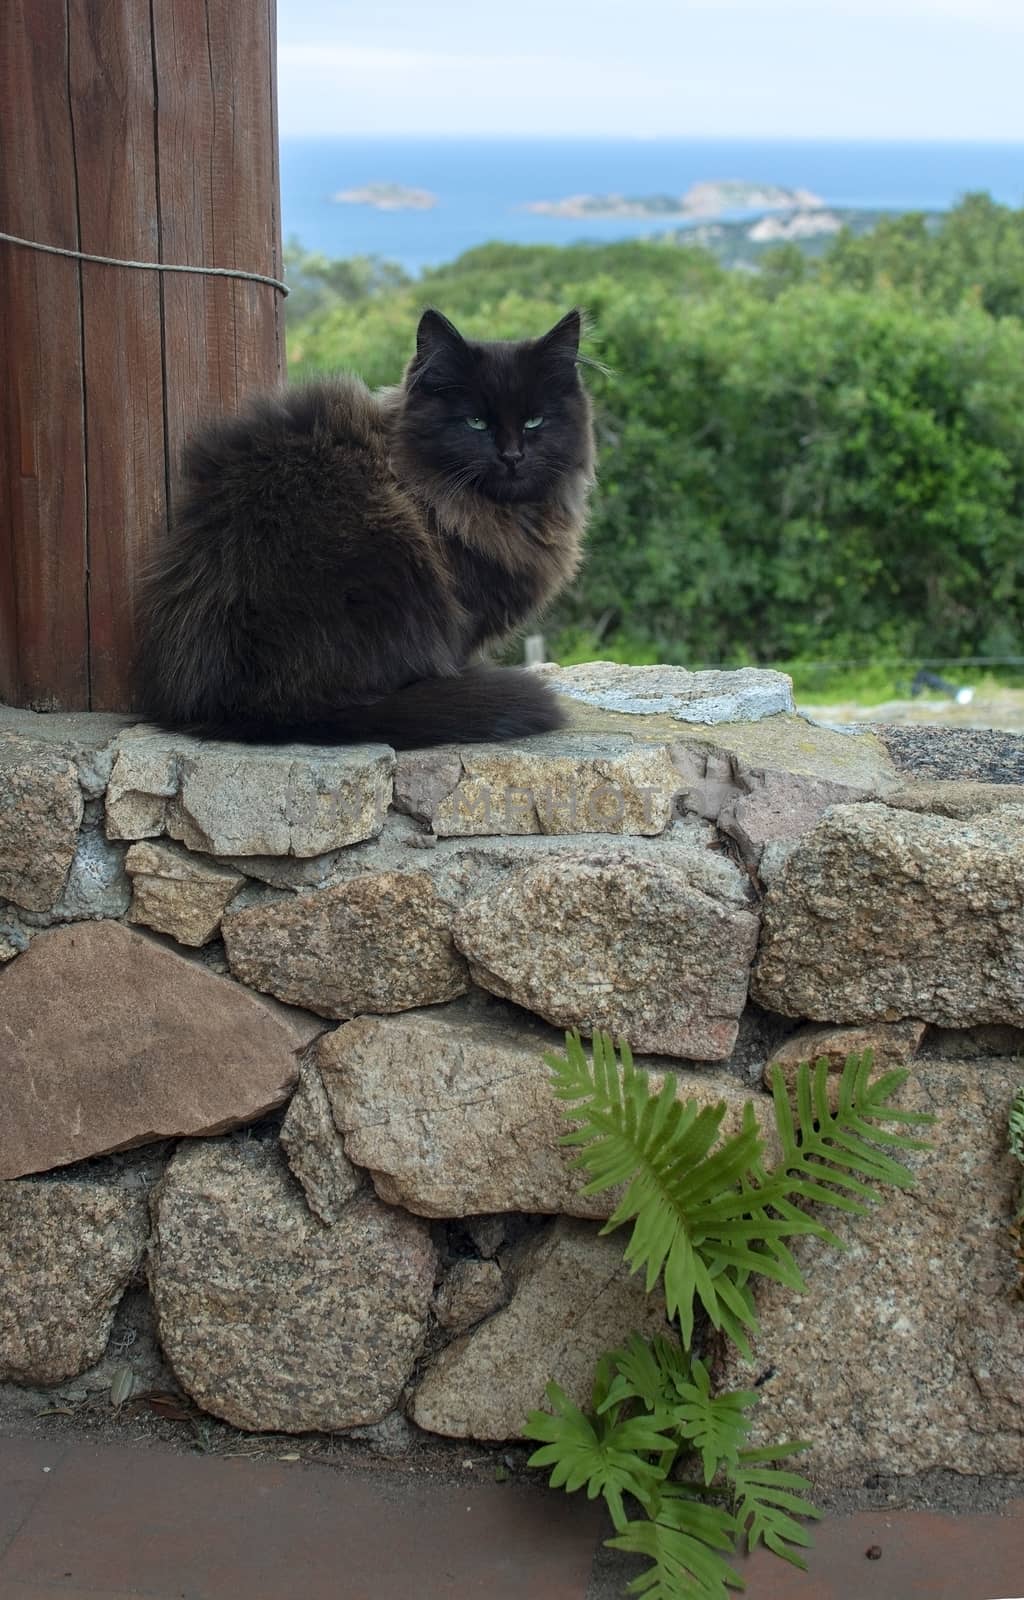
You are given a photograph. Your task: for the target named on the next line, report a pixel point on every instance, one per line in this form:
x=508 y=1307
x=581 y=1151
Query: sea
x=482 y=185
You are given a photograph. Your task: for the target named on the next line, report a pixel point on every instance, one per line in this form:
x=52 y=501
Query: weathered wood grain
x=43 y=627
x=218 y=204
x=142 y=129
x=113 y=99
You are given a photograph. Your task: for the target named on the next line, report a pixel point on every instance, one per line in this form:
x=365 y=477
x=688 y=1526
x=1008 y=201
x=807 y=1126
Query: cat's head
x=506 y=420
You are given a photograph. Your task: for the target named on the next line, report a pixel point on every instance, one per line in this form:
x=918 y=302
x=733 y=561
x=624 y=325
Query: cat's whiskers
x=466 y=477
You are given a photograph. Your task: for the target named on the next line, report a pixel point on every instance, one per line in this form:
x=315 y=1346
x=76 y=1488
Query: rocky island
x=710 y=199
x=798 y=225
x=387 y=197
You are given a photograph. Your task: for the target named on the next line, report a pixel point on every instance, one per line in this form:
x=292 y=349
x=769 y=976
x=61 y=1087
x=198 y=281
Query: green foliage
x=608 y=1454
x=682 y=1537
x=1016 y=1140
x=706 y=1215
x=822 y=459
x=768 y=1500
x=975 y=252
x=1017 y=1126
x=652 y=1408
x=316 y=282
x=716 y=1423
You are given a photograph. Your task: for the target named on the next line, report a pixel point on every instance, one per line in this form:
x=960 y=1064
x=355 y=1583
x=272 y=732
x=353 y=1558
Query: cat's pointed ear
x=435 y=333
x=564 y=338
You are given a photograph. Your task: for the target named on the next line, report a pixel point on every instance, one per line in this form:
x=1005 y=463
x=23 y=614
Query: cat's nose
x=512 y=455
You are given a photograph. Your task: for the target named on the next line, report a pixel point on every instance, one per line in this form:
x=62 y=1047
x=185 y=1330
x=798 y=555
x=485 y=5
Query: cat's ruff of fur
x=337 y=558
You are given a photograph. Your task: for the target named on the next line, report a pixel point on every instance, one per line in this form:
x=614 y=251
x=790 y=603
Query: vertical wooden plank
x=218 y=174
x=43 y=621
x=144 y=130
x=113 y=101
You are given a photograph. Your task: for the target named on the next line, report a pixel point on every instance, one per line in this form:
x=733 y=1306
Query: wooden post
x=146 y=130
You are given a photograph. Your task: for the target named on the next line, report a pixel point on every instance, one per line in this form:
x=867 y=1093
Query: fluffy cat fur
x=338 y=557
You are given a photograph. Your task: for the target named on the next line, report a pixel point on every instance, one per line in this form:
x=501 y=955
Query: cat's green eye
x=533 y=422
x=476 y=422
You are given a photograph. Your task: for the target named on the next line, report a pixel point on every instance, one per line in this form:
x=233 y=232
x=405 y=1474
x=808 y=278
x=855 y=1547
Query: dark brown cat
x=339 y=557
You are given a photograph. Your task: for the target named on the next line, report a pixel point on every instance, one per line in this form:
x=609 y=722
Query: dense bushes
x=817 y=461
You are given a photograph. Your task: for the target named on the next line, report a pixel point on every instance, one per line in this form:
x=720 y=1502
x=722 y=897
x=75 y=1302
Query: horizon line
x=666 y=138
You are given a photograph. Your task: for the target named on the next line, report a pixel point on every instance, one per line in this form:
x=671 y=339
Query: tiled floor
x=98 y=1522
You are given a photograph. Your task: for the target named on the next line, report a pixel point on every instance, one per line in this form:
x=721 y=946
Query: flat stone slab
x=247 y=800
x=271 y=1320
x=177 y=892
x=86 y=738
x=40 y=812
x=454 y=1114
x=654 y=953
x=314 y=1150
x=553 y=784
x=131 y=1520
x=709 y=697
x=109 y=1039
x=907 y=1351
x=574 y=1298
x=881 y=914
x=67 y=1251
x=957 y=798
x=380 y=941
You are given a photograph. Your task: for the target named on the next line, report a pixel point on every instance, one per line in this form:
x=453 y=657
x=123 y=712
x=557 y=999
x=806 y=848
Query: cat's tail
x=481 y=703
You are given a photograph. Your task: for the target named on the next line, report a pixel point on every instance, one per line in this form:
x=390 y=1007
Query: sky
x=887 y=69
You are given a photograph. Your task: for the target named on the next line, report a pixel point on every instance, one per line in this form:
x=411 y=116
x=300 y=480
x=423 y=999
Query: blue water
x=481 y=185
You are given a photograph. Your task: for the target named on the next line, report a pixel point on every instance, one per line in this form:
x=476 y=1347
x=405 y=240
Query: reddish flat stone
x=111 y=1039
x=64 y=1591
x=118 y=1521
x=23 y=1480
x=925 y=1555
x=126 y=1522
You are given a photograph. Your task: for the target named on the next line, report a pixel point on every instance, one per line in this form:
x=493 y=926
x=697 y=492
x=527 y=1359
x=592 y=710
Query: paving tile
x=138 y=1523
x=117 y=1521
x=924 y=1556
x=62 y=1591
x=23 y=1480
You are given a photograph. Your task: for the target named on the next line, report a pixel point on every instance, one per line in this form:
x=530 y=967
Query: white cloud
x=774 y=68
x=384 y=88
x=1008 y=14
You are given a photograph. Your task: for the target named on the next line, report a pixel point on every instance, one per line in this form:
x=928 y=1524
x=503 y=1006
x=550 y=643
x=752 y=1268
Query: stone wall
x=272 y=1024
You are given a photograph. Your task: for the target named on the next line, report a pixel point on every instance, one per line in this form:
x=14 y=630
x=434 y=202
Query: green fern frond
x=706 y=1216
x=767 y=1501
x=842 y=1148
x=668 y=1381
x=687 y=1200
x=601 y=1452
x=649 y=1371
x=704 y=1213
x=716 y=1425
x=1017 y=1126
x=736 y=1307
x=682 y=1540
x=1016 y=1142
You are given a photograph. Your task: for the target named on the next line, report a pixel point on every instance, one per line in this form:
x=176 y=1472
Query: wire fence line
x=896 y=661
x=535 y=644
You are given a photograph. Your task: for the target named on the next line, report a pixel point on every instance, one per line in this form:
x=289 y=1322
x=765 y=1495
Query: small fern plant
x=1016 y=1142
x=706 y=1215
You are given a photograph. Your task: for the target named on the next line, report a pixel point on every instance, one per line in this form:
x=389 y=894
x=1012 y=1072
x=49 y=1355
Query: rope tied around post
x=148 y=266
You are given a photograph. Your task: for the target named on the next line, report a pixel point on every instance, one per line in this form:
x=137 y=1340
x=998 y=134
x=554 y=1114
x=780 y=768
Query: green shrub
x=826 y=460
